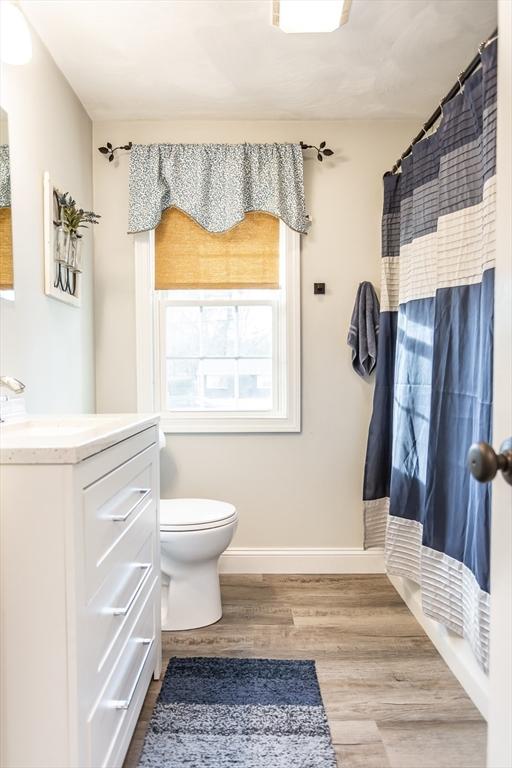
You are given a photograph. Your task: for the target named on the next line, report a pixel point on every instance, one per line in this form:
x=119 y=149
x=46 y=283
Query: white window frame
x=286 y=415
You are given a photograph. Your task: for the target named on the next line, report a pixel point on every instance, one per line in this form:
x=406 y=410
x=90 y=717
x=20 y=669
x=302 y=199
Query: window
x=223 y=359
x=218 y=350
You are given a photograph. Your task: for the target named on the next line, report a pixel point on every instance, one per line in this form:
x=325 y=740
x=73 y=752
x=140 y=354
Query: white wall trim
x=454 y=649
x=302 y=560
x=144 y=320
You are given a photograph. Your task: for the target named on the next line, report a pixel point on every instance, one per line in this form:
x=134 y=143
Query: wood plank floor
x=390 y=699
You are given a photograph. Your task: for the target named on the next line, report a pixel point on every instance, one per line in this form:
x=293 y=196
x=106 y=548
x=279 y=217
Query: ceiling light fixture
x=15 y=39
x=310 y=15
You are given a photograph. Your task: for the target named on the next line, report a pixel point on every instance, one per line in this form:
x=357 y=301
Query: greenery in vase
x=73 y=218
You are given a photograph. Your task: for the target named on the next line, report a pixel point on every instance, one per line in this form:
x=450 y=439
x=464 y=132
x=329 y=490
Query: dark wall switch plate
x=319 y=289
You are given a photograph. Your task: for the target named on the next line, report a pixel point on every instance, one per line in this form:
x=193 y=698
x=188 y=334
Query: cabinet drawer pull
x=143 y=493
x=125 y=703
x=122 y=611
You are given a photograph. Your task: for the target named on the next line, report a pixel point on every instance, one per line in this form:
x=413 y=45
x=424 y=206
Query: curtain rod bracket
x=109 y=150
x=321 y=151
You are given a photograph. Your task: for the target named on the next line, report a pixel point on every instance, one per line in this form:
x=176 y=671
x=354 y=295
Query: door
x=499 y=751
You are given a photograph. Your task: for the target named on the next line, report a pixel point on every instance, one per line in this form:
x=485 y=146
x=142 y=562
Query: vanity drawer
x=117 y=508
x=109 y=615
x=125 y=690
x=107 y=460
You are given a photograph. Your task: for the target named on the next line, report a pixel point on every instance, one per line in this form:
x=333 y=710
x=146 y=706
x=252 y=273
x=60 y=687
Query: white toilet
x=193 y=535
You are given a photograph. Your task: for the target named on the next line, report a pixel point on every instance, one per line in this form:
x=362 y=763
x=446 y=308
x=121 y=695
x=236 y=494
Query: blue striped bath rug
x=249 y=713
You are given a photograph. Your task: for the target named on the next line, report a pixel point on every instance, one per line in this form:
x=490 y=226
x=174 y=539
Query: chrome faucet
x=15 y=385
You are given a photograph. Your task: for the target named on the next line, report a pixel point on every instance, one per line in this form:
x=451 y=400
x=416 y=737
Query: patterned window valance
x=216 y=184
x=5 y=177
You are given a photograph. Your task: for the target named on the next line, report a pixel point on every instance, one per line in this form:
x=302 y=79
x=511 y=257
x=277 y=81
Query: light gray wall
x=291 y=489
x=43 y=342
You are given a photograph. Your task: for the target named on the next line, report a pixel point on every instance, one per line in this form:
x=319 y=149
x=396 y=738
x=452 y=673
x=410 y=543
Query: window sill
x=227 y=425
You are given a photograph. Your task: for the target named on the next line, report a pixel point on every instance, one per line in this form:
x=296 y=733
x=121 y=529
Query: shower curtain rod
x=472 y=66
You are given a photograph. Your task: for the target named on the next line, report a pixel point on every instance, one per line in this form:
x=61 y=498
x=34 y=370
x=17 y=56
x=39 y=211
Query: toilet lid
x=193 y=513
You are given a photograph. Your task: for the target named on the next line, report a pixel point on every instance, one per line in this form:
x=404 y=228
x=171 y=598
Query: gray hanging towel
x=364 y=330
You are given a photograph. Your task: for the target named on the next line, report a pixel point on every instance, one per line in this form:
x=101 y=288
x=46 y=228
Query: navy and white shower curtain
x=433 y=393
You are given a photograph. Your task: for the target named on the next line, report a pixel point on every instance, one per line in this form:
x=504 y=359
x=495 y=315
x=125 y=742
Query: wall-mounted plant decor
x=64 y=223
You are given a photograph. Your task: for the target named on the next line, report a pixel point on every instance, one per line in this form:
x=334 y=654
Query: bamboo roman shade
x=188 y=256
x=6 y=269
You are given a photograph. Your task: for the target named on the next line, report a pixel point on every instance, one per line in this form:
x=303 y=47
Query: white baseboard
x=454 y=649
x=302 y=560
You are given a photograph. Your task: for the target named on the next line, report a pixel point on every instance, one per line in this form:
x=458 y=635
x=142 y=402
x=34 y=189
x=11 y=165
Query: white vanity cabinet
x=80 y=589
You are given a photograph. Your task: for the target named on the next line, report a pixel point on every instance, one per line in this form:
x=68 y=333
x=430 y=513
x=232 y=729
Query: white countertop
x=67 y=439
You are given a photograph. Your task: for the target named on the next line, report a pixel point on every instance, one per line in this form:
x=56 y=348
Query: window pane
x=255 y=331
x=255 y=384
x=182 y=331
x=219 y=358
x=219 y=383
x=218 y=326
x=182 y=384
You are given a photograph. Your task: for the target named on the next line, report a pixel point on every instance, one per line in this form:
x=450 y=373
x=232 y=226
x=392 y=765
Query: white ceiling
x=222 y=59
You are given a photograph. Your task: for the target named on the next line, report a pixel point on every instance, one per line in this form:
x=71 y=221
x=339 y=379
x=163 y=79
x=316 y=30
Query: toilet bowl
x=193 y=535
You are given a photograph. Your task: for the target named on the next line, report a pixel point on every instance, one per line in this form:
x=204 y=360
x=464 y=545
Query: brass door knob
x=484 y=463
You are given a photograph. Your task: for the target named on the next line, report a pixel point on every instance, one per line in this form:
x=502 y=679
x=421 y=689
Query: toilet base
x=191 y=597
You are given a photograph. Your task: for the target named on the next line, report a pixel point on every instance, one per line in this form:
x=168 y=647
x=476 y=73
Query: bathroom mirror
x=6 y=253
